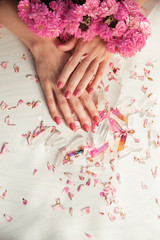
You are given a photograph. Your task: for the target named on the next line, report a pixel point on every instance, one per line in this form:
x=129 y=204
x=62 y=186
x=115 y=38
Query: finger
x=76 y=78
x=98 y=77
x=51 y=102
x=68 y=69
x=80 y=112
x=89 y=73
x=90 y=106
x=69 y=45
x=65 y=109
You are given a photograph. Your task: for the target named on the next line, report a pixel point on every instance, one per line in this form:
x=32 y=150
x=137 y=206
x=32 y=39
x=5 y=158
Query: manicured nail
x=77 y=92
x=72 y=126
x=91 y=91
x=68 y=94
x=96 y=120
x=59 y=84
x=57 y=120
x=86 y=127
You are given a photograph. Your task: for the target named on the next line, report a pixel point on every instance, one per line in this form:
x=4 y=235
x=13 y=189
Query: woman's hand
x=85 y=68
x=49 y=61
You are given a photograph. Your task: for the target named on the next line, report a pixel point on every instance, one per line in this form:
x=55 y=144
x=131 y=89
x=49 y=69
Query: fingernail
x=57 y=120
x=72 y=126
x=77 y=92
x=68 y=94
x=96 y=120
x=86 y=127
x=60 y=84
x=91 y=91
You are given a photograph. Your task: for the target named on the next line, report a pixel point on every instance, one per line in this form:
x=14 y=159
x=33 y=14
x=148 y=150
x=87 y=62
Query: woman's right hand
x=49 y=61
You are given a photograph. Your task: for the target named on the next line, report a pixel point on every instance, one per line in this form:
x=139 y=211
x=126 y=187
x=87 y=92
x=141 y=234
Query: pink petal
x=24 y=56
x=70 y=195
x=97 y=181
x=123 y=215
x=36 y=104
x=71 y=211
x=69 y=182
x=49 y=166
x=86 y=209
x=4 y=64
x=154 y=173
x=107 y=88
x=66 y=190
x=144 y=186
x=16 y=68
x=3 y=105
x=102 y=194
x=112 y=218
x=34 y=172
x=88 y=183
x=88 y=235
x=8 y=218
x=81 y=178
x=117 y=210
x=118 y=177
x=80 y=187
x=20 y=102
x=4 y=149
x=24 y=201
x=102 y=213
x=68 y=174
x=4 y=194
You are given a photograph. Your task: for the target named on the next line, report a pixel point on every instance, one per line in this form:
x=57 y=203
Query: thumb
x=69 y=45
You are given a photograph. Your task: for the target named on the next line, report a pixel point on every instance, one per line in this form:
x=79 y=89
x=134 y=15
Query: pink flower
x=120 y=29
x=53 y=5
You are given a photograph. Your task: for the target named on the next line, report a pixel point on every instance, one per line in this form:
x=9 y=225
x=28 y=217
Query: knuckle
x=71 y=64
x=50 y=101
x=91 y=71
x=62 y=101
x=86 y=99
x=76 y=105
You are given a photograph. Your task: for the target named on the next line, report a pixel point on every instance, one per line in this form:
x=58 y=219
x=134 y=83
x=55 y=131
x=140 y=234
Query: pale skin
x=76 y=73
x=54 y=62
x=49 y=62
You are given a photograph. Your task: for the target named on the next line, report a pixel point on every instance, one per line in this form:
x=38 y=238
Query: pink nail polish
x=57 y=120
x=96 y=120
x=91 y=91
x=86 y=127
x=77 y=92
x=68 y=94
x=60 y=85
x=72 y=126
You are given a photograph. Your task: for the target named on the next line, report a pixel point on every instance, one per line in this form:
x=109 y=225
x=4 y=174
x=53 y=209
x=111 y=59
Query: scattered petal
x=16 y=68
x=8 y=218
x=3 y=105
x=86 y=210
x=88 y=235
x=112 y=218
x=34 y=172
x=66 y=190
x=25 y=202
x=71 y=211
x=4 y=65
x=144 y=186
x=24 y=56
x=4 y=149
x=70 y=195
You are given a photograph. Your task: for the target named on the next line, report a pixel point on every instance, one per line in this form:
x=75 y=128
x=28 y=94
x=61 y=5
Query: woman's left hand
x=87 y=63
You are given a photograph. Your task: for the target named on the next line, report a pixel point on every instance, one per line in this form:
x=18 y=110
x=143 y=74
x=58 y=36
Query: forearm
x=10 y=19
